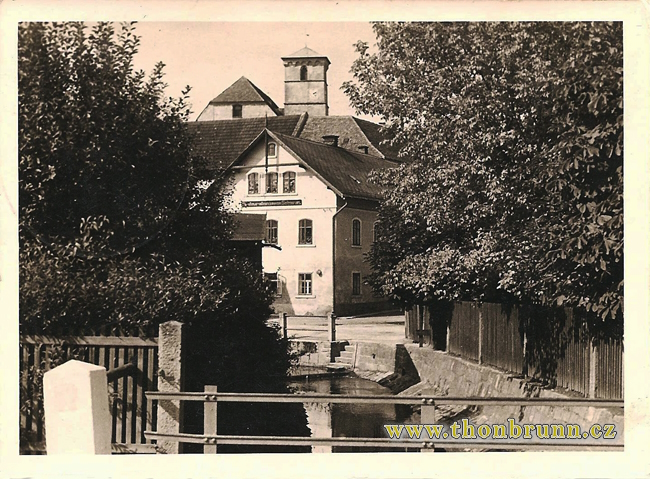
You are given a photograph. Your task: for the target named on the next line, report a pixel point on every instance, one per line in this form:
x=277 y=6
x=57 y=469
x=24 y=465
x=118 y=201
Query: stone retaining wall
x=443 y=374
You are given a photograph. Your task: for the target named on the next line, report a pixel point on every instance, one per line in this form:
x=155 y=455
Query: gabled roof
x=352 y=132
x=345 y=172
x=244 y=91
x=305 y=53
x=216 y=144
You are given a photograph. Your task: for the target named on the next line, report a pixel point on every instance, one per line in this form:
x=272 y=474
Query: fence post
x=210 y=421
x=283 y=322
x=77 y=419
x=428 y=416
x=406 y=323
x=593 y=362
x=170 y=379
x=449 y=320
x=480 y=334
x=332 y=327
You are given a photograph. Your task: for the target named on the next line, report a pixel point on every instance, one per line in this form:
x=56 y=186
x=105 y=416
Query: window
x=271 y=231
x=303 y=73
x=289 y=182
x=375 y=233
x=274 y=283
x=305 y=232
x=253 y=184
x=271 y=150
x=356 y=284
x=304 y=284
x=236 y=111
x=271 y=182
x=356 y=232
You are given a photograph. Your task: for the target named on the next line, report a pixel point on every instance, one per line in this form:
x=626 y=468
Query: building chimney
x=363 y=148
x=332 y=140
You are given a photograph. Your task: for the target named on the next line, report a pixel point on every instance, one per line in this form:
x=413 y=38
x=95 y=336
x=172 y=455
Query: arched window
x=375 y=233
x=356 y=232
x=305 y=232
x=253 y=184
x=288 y=182
x=236 y=111
x=303 y=73
x=271 y=150
x=271 y=231
x=271 y=182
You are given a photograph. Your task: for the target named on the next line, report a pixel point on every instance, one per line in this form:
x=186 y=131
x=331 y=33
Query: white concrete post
x=170 y=379
x=77 y=420
x=210 y=421
x=428 y=416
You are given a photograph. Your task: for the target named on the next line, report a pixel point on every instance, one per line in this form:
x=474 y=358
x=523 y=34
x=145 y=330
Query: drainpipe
x=334 y=252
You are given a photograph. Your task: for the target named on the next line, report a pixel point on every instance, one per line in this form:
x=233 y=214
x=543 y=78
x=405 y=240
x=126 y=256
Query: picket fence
x=132 y=412
x=499 y=335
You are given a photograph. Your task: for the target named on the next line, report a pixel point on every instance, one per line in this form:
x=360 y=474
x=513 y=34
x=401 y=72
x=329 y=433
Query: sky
x=210 y=56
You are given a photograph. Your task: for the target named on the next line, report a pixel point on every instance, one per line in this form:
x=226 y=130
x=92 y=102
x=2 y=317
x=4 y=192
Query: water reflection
x=348 y=420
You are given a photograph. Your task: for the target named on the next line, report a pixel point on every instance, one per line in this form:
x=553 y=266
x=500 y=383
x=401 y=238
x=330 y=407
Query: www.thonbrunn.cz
x=511 y=430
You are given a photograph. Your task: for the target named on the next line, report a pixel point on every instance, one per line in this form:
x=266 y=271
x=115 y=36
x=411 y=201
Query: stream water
x=348 y=420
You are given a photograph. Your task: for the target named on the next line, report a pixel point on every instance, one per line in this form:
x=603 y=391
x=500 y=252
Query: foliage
x=513 y=188
x=114 y=229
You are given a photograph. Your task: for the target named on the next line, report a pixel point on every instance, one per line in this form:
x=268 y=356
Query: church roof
x=352 y=132
x=244 y=91
x=216 y=144
x=305 y=53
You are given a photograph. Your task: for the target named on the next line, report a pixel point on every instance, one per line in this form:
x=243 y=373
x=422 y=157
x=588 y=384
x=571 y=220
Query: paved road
x=376 y=329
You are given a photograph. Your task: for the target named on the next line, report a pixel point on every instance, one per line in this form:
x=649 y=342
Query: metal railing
x=428 y=404
x=329 y=327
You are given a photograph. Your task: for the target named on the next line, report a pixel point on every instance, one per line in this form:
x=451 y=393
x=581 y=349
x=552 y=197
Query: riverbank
x=407 y=369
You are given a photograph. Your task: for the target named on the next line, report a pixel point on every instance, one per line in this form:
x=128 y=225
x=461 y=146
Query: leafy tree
x=115 y=231
x=513 y=188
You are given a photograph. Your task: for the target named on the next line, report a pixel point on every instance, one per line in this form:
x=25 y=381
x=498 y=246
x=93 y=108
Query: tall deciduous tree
x=513 y=186
x=114 y=229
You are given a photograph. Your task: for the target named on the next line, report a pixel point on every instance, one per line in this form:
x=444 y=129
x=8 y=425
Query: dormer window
x=271 y=150
x=253 y=184
x=236 y=111
x=303 y=73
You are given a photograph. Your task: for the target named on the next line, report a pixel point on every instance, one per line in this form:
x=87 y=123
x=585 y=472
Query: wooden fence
x=609 y=369
x=132 y=412
x=464 y=331
x=503 y=336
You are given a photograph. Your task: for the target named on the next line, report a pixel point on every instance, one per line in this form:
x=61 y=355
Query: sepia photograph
x=292 y=238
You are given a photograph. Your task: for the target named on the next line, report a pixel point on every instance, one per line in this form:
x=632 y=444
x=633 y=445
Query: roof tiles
x=244 y=91
x=216 y=144
x=347 y=171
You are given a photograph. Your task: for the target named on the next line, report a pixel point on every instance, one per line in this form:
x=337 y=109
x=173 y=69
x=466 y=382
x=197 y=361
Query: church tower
x=305 y=83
